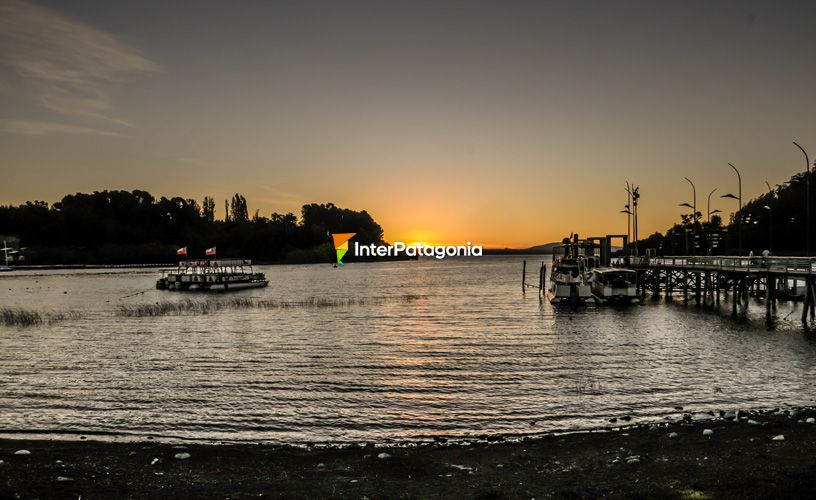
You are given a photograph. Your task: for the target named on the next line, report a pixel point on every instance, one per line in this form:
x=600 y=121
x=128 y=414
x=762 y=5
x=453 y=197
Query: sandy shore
x=741 y=459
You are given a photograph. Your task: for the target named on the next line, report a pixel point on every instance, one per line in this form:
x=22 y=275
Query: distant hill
x=545 y=249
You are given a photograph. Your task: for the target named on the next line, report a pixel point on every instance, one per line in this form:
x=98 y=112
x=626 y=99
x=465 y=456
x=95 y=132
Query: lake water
x=430 y=348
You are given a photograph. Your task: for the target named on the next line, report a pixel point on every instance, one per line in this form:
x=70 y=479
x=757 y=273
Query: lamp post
x=694 y=195
x=770 y=217
x=739 y=199
x=708 y=206
x=686 y=229
x=635 y=198
x=693 y=208
x=807 y=198
x=628 y=213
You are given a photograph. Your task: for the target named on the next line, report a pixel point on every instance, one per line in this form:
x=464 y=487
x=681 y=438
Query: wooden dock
x=704 y=279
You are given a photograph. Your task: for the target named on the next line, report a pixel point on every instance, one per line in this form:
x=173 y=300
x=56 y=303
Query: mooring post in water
x=768 y=296
x=734 y=295
x=812 y=300
x=523 y=273
x=717 y=278
x=656 y=284
x=806 y=303
x=542 y=273
x=703 y=290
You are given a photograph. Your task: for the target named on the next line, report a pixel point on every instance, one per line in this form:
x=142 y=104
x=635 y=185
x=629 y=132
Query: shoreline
x=615 y=424
x=744 y=458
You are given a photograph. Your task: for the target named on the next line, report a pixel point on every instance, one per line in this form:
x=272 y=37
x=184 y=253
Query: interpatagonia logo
x=341 y=245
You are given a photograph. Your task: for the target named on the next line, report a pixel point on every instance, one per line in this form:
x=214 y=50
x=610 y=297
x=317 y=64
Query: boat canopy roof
x=613 y=270
x=215 y=263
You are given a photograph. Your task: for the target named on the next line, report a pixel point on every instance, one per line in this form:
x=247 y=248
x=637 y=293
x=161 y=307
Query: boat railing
x=224 y=266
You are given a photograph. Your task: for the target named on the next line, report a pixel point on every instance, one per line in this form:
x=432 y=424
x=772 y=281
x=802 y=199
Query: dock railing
x=781 y=265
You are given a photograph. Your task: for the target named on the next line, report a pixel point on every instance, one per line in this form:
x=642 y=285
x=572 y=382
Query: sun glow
x=420 y=243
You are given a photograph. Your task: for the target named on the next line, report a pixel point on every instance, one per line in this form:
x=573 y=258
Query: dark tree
x=134 y=227
x=208 y=208
x=240 y=212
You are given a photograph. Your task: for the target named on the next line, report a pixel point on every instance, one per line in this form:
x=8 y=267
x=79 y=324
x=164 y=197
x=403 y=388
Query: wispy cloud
x=64 y=65
x=30 y=127
x=278 y=195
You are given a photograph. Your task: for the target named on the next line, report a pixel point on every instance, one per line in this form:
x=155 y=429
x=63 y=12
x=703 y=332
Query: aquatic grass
x=190 y=307
x=10 y=316
x=20 y=317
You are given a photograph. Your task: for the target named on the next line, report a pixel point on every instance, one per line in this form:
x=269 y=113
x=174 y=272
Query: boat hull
x=224 y=287
x=568 y=293
x=210 y=287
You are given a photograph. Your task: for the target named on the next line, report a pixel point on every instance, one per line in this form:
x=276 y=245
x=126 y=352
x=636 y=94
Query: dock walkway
x=705 y=278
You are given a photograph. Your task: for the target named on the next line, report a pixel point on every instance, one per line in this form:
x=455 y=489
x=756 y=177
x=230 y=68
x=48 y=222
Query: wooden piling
x=768 y=296
x=812 y=300
x=523 y=273
x=706 y=289
x=685 y=287
x=718 y=276
x=656 y=284
x=734 y=296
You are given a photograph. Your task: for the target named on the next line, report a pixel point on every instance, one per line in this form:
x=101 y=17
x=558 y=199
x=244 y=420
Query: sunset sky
x=504 y=123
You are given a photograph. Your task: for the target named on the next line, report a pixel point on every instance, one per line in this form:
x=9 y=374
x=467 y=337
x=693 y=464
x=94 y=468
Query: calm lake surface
x=430 y=348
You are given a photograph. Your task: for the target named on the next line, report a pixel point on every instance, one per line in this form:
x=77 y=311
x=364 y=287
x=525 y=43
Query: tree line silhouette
x=121 y=227
x=775 y=221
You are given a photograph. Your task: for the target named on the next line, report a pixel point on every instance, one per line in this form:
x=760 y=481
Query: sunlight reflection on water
x=472 y=356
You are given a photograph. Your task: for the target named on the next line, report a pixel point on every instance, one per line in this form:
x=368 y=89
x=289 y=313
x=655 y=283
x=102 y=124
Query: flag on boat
x=210 y=251
x=181 y=251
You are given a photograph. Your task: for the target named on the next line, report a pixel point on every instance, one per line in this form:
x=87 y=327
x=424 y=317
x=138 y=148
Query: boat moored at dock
x=569 y=273
x=6 y=251
x=614 y=284
x=206 y=275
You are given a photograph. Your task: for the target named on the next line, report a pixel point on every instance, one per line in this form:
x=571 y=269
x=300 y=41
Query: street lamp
x=807 y=198
x=739 y=199
x=694 y=194
x=686 y=229
x=770 y=227
x=629 y=213
x=635 y=198
x=708 y=207
x=770 y=217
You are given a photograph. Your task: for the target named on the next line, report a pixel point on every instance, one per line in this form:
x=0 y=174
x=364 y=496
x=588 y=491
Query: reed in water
x=11 y=316
x=190 y=307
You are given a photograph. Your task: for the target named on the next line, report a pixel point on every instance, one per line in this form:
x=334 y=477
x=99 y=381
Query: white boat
x=612 y=284
x=206 y=275
x=569 y=274
x=6 y=251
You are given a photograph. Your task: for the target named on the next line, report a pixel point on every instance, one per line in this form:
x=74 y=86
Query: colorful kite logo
x=341 y=245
